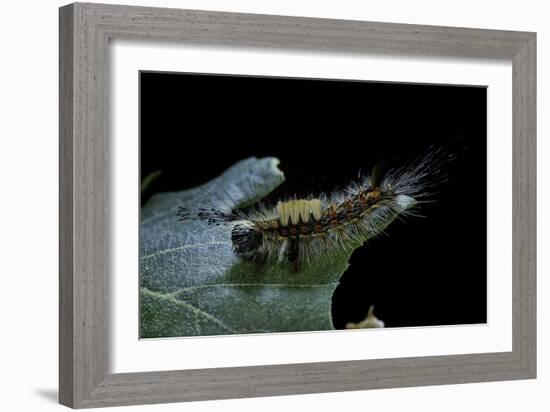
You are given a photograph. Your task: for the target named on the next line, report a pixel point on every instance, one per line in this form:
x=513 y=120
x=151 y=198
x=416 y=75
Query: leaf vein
x=178 y=302
x=194 y=245
x=236 y=285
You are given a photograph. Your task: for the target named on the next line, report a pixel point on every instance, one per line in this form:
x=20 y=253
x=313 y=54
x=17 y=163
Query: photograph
x=276 y=204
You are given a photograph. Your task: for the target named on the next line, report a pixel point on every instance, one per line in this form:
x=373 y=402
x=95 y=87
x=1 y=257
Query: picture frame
x=84 y=356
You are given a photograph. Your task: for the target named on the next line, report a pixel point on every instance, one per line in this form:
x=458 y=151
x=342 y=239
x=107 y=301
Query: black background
x=426 y=271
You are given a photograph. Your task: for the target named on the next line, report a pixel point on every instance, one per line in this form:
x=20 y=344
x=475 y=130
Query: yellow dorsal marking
x=299 y=211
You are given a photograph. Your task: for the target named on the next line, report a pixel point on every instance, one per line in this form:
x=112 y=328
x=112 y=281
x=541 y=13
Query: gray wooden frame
x=85 y=31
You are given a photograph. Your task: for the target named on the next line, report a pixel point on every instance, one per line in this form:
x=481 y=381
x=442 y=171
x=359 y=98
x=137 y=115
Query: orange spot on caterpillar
x=374 y=194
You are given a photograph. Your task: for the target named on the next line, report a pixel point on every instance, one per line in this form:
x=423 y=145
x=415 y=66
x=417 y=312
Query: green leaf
x=192 y=283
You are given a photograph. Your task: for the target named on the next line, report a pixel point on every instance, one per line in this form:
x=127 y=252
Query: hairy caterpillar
x=301 y=230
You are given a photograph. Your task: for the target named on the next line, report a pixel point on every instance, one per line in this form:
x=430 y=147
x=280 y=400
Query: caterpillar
x=301 y=230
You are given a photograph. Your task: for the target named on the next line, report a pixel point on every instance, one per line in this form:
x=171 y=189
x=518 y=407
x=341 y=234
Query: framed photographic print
x=257 y=205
